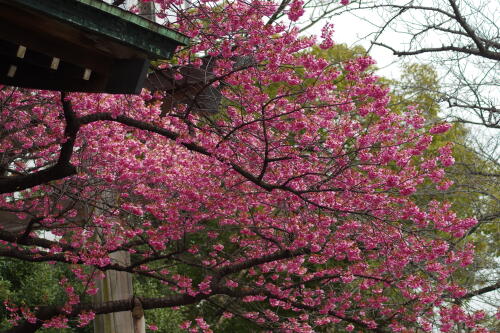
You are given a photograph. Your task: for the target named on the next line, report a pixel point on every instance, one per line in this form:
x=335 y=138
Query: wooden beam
x=45 y=37
x=67 y=78
x=113 y=24
x=40 y=71
x=127 y=76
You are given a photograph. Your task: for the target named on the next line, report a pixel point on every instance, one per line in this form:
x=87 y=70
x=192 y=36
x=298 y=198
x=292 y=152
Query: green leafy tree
x=32 y=283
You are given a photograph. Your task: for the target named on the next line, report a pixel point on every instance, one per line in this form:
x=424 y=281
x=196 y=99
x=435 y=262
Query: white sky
x=352 y=31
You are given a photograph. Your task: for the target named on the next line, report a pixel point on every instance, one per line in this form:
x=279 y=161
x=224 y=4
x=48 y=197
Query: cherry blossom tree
x=289 y=207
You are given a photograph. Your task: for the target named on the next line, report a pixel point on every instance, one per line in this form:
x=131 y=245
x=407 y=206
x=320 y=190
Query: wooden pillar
x=115 y=286
x=146 y=10
x=118 y=285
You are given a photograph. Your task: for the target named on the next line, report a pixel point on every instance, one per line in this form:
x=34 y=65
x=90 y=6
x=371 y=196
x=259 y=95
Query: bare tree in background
x=460 y=37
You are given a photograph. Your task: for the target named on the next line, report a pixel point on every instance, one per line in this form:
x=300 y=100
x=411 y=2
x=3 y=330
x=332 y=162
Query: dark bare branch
x=61 y=169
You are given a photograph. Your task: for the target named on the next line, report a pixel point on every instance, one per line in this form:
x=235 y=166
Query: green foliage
x=418 y=86
x=32 y=283
x=339 y=53
x=167 y=320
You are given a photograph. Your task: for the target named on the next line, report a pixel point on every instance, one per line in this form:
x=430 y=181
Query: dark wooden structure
x=79 y=45
x=194 y=89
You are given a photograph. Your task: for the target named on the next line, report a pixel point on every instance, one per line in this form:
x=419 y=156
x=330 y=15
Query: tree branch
x=481 y=291
x=46 y=313
x=61 y=169
x=465 y=50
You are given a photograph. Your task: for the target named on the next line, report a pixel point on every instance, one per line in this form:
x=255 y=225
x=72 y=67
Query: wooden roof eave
x=102 y=19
